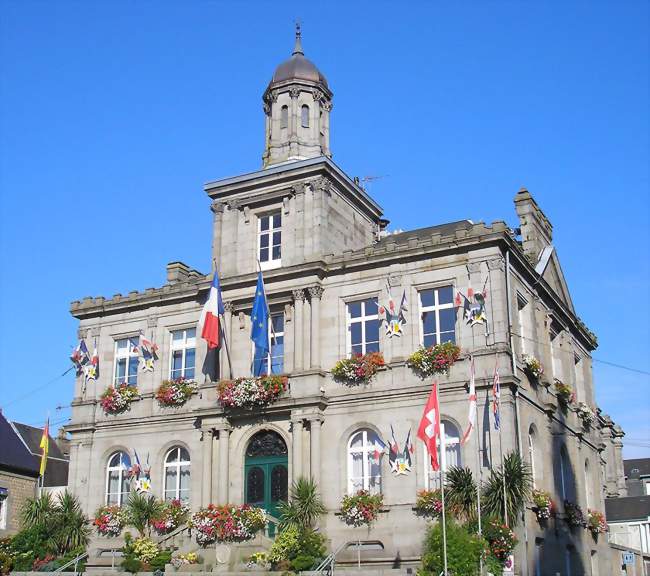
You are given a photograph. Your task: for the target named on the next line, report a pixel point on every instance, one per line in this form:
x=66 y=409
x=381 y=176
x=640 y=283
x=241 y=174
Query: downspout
x=524 y=565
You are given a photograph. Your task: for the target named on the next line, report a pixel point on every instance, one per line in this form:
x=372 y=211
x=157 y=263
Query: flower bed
x=227 y=523
x=117 y=399
x=585 y=412
x=251 y=392
x=429 y=504
x=596 y=522
x=533 y=366
x=172 y=516
x=436 y=359
x=175 y=392
x=185 y=559
x=574 y=516
x=109 y=520
x=564 y=392
x=361 y=508
x=502 y=540
x=543 y=505
x=358 y=369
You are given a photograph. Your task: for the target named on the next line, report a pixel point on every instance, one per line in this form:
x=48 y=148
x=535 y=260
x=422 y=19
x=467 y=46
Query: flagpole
x=223 y=325
x=442 y=483
x=480 y=471
x=503 y=478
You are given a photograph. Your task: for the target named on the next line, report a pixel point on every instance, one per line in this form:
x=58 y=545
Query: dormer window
x=269 y=251
x=304 y=116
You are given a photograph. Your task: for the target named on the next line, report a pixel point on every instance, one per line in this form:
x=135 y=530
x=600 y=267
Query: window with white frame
x=126 y=362
x=362 y=326
x=364 y=462
x=556 y=352
x=118 y=484
x=182 y=356
x=437 y=316
x=589 y=497
x=273 y=363
x=524 y=332
x=4 y=497
x=534 y=465
x=451 y=457
x=177 y=475
x=269 y=242
x=566 y=477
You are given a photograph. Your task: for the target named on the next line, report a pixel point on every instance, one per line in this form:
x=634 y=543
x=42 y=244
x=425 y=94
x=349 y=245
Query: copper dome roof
x=298 y=67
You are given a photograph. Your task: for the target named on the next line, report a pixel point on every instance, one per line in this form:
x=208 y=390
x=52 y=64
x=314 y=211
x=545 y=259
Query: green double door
x=267 y=484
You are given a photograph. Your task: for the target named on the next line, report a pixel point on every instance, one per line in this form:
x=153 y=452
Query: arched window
x=118 y=485
x=452 y=444
x=304 y=116
x=364 y=462
x=566 y=479
x=284 y=116
x=177 y=474
x=588 y=494
x=535 y=467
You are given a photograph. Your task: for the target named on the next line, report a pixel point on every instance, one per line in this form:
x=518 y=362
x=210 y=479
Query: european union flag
x=260 y=327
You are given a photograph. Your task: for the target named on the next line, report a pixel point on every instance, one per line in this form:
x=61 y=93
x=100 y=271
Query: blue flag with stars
x=260 y=327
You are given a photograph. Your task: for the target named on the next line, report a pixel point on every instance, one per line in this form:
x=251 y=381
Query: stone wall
x=19 y=489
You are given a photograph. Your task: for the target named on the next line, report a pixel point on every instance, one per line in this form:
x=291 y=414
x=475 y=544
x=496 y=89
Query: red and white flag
x=429 y=430
x=209 y=321
x=471 y=417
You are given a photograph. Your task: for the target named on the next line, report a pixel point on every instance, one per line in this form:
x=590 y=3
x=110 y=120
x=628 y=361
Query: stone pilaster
x=224 y=458
x=296 y=445
x=315 y=293
x=315 y=445
x=299 y=304
x=207 y=436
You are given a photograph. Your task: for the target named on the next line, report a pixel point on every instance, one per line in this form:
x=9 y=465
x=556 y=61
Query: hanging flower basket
x=359 y=369
x=501 y=538
x=227 y=523
x=109 y=520
x=361 y=508
x=574 y=516
x=587 y=415
x=436 y=359
x=533 y=366
x=175 y=392
x=429 y=504
x=117 y=399
x=172 y=516
x=251 y=392
x=564 y=392
x=596 y=522
x=543 y=505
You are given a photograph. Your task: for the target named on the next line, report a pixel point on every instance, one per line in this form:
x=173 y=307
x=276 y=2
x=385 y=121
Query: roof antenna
x=297 y=49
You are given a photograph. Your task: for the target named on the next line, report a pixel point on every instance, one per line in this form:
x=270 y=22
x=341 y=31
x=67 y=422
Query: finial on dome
x=297 y=49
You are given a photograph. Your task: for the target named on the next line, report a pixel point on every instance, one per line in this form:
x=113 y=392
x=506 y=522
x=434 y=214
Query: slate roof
x=14 y=455
x=420 y=233
x=56 y=471
x=640 y=464
x=630 y=508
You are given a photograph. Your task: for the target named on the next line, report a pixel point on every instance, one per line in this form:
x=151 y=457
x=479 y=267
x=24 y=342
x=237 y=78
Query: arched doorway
x=266 y=472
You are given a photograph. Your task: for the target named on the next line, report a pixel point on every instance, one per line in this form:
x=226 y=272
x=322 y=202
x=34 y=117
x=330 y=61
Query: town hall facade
x=328 y=263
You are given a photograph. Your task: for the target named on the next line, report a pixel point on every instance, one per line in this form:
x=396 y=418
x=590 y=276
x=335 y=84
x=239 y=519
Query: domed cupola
x=297 y=103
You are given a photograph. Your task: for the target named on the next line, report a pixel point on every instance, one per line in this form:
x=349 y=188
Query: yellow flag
x=45 y=446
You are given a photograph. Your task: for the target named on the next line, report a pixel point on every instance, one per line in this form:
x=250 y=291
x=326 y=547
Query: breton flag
x=429 y=430
x=260 y=327
x=471 y=417
x=209 y=321
x=496 y=398
x=45 y=446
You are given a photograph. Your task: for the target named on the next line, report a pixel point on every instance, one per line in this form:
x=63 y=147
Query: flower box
x=501 y=539
x=533 y=366
x=565 y=393
x=574 y=516
x=429 y=504
x=543 y=505
x=361 y=508
x=227 y=523
x=359 y=369
x=585 y=413
x=172 y=516
x=176 y=392
x=436 y=359
x=117 y=399
x=109 y=521
x=596 y=522
x=251 y=392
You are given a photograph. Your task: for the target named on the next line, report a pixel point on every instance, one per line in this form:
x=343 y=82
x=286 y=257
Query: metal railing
x=74 y=561
x=327 y=565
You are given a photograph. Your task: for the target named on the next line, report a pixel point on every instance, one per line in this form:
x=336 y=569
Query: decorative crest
x=297 y=49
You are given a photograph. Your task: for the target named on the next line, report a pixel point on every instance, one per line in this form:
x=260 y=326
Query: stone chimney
x=536 y=230
x=177 y=272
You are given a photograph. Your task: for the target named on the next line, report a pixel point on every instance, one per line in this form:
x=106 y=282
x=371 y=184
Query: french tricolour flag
x=209 y=321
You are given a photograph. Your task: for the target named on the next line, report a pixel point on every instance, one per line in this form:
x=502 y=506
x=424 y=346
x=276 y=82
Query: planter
x=543 y=505
x=361 y=509
x=117 y=399
x=175 y=393
x=227 y=523
x=586 y=414
x=596 y=523
x=565 y=393
x=574 y=517
x=533 y=366
x=428 y=504
x=251 y=392
x=109 y=521
x=436 y=359
x=359 y=369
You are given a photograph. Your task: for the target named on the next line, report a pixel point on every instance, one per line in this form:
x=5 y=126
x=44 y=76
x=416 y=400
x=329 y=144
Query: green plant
x=361 y=508
x=6 y=562
x=436 y=359
x=160 y=559
x=70 y=525
x=305 y=506
x=429 y=503
x=131 y=564
x=37 y=511
x=518 y=487
x=359 y=368
x=293 y=543
x=302 y=562
x=565 y=393
x=501 y=539
x=464 y=551
x=141 y=511
x=596 y=522
x=460 y=493
x=145 y=549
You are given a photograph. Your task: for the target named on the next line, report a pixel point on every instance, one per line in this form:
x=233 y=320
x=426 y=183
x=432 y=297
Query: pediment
x=549 y=267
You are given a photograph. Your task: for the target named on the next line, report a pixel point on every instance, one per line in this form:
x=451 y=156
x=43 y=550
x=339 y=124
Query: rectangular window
x=182 y=355
x=269 y=244
x=276 y=340
x=362 y=326
x=556 y=353
x=438 y=316
x=126 y=361
x=3 y=508
x=522 y=312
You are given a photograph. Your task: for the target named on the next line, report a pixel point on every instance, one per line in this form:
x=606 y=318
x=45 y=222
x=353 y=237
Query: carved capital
x=474 y=267
x=298 y=295
x=316 y=292
x=152 y=321
x=82 y=333
x=317 y=94
x=267 y=108
x=323 y=184
x=495 y=264
x=217 y=207
x=94 y=332
x=294 y=92
x=327 y=105
x=228 y=306
x=298 y=189
x=233 y=205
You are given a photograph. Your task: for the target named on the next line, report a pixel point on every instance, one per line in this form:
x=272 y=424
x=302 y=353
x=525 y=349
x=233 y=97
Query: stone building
x=327 y=257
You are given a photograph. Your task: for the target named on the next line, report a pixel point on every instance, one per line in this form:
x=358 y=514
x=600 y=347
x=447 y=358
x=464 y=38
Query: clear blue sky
x=113 y=115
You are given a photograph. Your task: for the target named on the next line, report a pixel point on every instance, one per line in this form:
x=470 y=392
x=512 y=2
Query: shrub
x=131 y=564
x=464 y=551
x=302 y=562
x=295 y=545
x=305 y=506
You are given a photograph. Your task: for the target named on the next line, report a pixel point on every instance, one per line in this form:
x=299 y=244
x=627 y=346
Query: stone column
x=206 y=484
x=224 y=453
x=224 y=367
x=299 y=301
x=315 y=425
x=315 y=292
x=296 y=427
